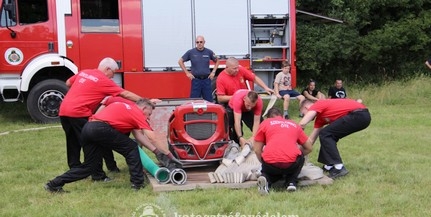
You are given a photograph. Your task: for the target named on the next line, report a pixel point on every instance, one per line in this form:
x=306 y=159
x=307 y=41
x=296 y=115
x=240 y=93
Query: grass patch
x=388 y=164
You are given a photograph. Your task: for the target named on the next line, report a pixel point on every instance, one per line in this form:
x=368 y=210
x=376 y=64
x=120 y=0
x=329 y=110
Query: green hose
x=160 y=173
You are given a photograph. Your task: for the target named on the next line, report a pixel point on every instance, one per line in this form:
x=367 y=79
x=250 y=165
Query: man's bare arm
x=256 y=124
x=313 y=136
x=307 y=147
x=307 y=118
x=223 y=98
x=161 y=146
x=262 y=84
x=130 y=95
x=237 y=128
x=257 y=147
x=428 y=64
x=213 y=72
x=143 y=140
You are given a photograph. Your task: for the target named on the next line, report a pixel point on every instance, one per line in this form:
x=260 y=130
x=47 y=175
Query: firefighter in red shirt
x=244 y=106
x=87 y=89
x=163 y=155
x=342 y=117
x=108 y=129
x=234 y=78
x=281 y=157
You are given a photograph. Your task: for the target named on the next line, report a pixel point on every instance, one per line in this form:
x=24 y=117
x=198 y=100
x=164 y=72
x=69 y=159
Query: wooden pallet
x=197 y=178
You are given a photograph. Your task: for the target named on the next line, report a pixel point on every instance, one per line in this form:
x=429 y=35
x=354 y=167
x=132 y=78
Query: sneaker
x=106 y=179
x=51 y=189
x=286 y=117
x=334 y=173
x=325 y=169
x=262 y=185
x=291 y=187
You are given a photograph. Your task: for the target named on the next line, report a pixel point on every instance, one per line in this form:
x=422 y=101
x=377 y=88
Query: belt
x=201 y=77
x=283 y=165
x=95 y=120
x=359 y=110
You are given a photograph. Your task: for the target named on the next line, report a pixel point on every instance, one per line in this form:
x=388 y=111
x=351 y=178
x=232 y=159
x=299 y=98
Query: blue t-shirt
x=200 y=60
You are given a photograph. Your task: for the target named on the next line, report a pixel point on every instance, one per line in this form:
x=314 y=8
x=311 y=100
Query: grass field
x=388 y=162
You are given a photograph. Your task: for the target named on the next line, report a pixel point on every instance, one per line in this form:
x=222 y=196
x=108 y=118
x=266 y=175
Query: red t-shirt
x=228 y=85
x=329 y=110
x=88 y=88
x=123 y=117
x=280 y=137
x=237 y=103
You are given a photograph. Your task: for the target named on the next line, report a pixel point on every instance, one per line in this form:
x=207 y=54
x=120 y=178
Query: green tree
x=380 y=40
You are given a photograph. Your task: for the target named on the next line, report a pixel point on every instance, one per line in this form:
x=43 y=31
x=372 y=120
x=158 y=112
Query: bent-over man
x=281 y=157
x=342 y=117
x=108 y=129
x=87 y=89
x=244 y=106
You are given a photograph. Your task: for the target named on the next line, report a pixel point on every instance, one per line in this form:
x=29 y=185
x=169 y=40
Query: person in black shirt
x=311 y=94
x=337 y=91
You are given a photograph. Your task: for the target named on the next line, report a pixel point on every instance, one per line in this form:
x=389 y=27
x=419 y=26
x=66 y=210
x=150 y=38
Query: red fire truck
x=44 y=42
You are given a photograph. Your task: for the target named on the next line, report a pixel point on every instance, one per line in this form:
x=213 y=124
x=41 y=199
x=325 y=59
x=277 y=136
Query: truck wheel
x=44 y=99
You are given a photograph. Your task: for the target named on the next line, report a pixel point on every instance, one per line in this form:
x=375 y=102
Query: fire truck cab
x=44 y=42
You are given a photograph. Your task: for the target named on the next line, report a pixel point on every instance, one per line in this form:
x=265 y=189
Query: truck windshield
x=32 y=11
x=29 y=12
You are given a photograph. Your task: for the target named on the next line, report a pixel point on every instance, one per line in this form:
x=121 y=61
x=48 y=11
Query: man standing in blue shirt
x=199 y=73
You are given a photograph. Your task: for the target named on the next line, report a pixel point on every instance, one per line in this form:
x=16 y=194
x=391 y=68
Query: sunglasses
x=199 y=42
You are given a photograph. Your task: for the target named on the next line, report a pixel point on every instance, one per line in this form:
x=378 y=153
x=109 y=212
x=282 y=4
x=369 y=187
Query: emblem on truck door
x=13 y=56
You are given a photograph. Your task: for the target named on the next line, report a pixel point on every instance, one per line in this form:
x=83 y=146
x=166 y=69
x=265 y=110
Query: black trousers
x=108 y=156
x=72 y=128
x=290 y=174
x=329 y=135
x=98 y=135
x=246 y=117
